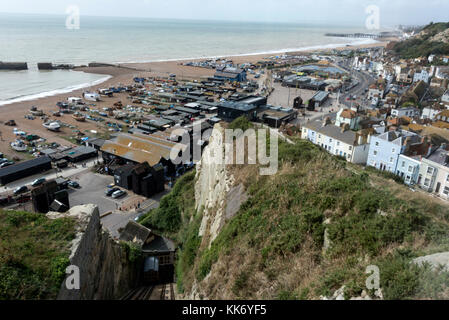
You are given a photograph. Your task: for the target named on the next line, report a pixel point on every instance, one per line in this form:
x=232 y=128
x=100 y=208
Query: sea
x=45 y=38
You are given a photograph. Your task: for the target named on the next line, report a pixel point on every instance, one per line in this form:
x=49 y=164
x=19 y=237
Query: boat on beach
x=36 y=112
x=19 y=146
x=52 y=126
x=79 y=117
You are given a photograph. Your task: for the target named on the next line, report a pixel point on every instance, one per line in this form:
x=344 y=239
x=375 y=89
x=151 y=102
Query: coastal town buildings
x=339 y=141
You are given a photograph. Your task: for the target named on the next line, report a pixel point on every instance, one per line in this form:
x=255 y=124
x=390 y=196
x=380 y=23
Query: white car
x=118 y=194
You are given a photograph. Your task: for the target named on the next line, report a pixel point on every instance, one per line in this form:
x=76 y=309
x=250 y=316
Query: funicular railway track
x=157 y=292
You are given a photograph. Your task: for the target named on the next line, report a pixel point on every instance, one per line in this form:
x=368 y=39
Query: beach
x=121 y=75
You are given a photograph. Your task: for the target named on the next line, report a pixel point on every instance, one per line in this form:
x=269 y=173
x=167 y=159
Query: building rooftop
x=135 y=232
x=440 y=156
x=320 y=96
x=24 y=165
x=330 y=130
x=140 y=148
x=238 y=106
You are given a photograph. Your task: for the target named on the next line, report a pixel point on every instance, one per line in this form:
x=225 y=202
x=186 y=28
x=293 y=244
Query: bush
x=241 y=123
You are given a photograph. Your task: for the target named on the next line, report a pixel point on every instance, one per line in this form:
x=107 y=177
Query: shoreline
x=145 y=66
x=121 y=75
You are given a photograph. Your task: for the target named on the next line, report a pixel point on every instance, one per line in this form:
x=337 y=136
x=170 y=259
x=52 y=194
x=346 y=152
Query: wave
x=54 y=92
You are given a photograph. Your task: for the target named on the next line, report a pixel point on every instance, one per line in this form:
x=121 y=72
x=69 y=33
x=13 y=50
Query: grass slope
x=34 y=253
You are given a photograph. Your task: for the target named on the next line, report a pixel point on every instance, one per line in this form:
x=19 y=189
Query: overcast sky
x=352 y=12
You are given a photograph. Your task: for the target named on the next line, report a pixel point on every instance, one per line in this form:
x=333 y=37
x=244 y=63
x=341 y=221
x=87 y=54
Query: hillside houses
x=339 y=141
x=434 y=172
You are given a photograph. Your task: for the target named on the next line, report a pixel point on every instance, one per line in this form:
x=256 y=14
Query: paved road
x=365 y=80
x=49 y=175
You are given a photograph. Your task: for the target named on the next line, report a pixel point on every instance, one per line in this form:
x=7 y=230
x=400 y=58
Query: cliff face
x=215 y=192
x=105 y=270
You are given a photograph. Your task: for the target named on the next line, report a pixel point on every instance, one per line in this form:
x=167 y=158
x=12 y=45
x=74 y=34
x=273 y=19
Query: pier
x=362 y=35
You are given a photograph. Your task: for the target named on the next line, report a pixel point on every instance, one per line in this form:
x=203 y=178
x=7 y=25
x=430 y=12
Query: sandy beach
x=121 y=75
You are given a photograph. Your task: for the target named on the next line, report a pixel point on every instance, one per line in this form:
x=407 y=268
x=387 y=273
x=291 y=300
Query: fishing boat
x=79 y=117
x=52 y=126
x=36 y=112
x=19 y=146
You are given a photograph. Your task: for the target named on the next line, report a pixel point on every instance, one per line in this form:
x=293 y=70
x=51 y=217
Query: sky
x=350 y=12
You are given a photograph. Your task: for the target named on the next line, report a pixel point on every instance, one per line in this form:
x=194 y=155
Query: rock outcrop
x=436 y=261
x=105 y=270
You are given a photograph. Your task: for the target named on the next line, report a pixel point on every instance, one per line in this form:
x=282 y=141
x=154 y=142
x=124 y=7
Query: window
x=446 y=191
x=164 y=260
x=447 y=179
x=403 y=164
x=375 y=153
x=430 y=170
x=391 y=160
x=350 y=148
x=338 y=143
x=377 y=144
x=330 y=140
x=393 y=150
x=427 y=183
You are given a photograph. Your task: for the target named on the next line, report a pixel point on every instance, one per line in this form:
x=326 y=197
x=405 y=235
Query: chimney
x=429 y=151
x=326 y=121
x=360 y=142
x=345 y=128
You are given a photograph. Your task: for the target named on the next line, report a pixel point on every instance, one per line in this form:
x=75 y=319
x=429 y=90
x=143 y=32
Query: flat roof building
x=24 y=169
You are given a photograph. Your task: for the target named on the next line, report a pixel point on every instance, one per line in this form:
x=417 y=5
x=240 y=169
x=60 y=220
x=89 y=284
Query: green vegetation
x=241 y=123
x=133 y=251
x=366 y=219
x=168 y=216
x=34 y=254
x=423 y=46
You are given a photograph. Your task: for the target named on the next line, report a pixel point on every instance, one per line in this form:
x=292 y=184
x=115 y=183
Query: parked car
x=119 y=194
x=38 y=182
x=20 y=190
x=140 y=215
x=73 y=184
x=110 y=192
x=6 y=164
